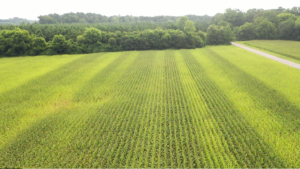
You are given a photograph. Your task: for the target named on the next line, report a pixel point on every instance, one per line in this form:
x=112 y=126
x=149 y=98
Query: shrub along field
x=211 y=107
x=289 y=50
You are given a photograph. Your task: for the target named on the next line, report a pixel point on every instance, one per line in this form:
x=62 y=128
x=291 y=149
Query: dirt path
x=286 y=62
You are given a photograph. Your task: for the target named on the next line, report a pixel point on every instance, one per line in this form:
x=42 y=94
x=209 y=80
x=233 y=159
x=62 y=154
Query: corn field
x=215 y=107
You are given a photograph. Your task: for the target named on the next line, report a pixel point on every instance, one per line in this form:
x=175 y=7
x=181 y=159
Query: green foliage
x=181 y=22
x=59 y=45
x=217 y=18
x=286 y=29
x=235 y=17
x=15 y=21
x=39 y=45
x=92 y=36
x=189 y=26
x=286 y=16
x=166 y=41
x=217 y=35
x=15 y=42
x=297 y=29
x=93 y=18
x=271 y=16
x=87 y=33
x=295 y=10
x=203 y=36
x=113 y=43
x=246 y=32
x=266 y=30
x=258 y=20
x=47 y=20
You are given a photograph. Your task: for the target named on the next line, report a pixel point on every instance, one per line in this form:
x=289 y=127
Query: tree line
x=18 y=42
x=93 y=18
x=14 y=21
x=187 y=32
x=261 y=24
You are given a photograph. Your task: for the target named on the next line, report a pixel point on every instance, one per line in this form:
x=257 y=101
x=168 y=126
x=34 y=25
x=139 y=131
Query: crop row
x=154 y=109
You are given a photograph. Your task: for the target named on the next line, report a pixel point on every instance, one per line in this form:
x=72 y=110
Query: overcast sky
x=31 y=9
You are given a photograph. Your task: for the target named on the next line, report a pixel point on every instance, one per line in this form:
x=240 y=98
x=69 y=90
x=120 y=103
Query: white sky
x=31 y=9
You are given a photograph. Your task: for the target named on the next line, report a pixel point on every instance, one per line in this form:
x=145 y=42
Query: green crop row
x=214 y=107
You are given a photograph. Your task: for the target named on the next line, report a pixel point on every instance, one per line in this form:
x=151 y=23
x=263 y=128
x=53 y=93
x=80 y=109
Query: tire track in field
x=243 y=141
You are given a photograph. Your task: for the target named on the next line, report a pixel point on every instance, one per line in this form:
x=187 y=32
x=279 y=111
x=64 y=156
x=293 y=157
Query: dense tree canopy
x=246 y=32
x=97 y=18
x=269 y=24
x=217 y=34
x=266 y=30
x=19 y=42
x=15 y=42
x=15 y=21
x=85 y=33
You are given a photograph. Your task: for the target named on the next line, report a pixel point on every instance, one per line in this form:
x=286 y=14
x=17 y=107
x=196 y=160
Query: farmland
x=289 y=50
x=219 y=106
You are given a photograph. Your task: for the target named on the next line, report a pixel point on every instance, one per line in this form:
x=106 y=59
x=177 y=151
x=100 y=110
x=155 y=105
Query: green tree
x=234 y=16
x=113 y=43
x=246 y=32
x=181 y=22
x=39 y=33
x=92 y=36
x=47 y=20
x=115 y=19
x=297 y=28
x=217 y=18
x=15 y=42
x=59 y=45
x=189 y=26
x=166 y=40
x=217 y=35
x=286 y=16
x=96 y=20
x=199 y=42
x=266 y=30
x=252 y=13
x=286 y=30
x=39 y=46
x=82 y=20
x=271 y=16
x=203 y=36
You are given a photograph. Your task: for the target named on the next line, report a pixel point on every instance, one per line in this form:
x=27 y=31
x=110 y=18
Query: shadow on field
x=16 y=103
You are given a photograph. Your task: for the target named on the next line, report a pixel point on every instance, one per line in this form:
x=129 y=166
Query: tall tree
x=15 y=42
x=189 y=26
x=235 y=17
x=246 y=32
x=286 y=30
x=181 y=22
x=266 y=30
x=59 y=45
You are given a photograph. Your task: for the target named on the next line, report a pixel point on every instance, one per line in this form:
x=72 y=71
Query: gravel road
x=286 y=62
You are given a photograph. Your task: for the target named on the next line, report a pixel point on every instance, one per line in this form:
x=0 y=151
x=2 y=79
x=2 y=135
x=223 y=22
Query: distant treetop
x=98 y=18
